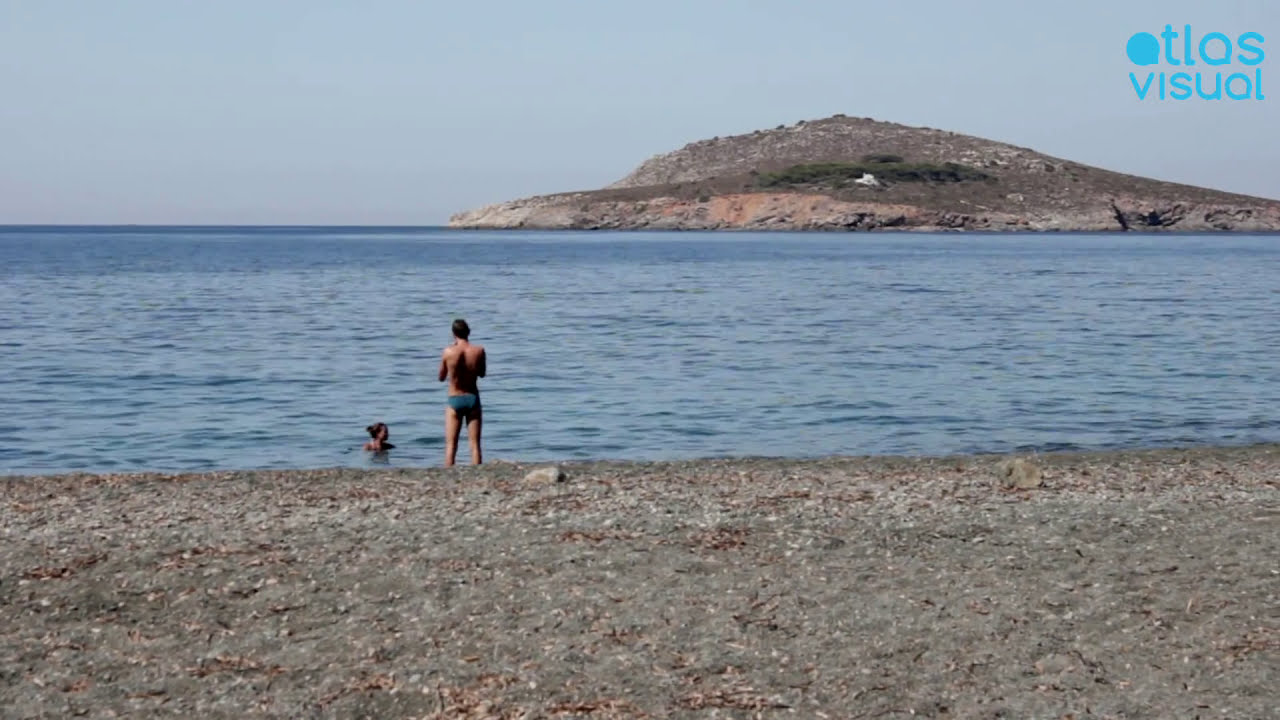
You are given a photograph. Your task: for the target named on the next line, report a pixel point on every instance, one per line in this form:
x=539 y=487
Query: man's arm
x=480 y=366
x=444 y=367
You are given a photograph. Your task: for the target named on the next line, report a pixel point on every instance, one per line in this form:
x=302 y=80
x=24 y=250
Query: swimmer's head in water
x=460 y=329
x=379 y=431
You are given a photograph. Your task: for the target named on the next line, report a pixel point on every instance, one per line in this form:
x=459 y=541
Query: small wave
x=918 y=290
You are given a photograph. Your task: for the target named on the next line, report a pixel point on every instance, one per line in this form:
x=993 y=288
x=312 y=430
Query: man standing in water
x=462 y=364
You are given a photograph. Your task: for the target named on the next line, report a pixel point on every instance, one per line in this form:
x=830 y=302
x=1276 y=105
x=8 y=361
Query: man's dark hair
x=461 y=329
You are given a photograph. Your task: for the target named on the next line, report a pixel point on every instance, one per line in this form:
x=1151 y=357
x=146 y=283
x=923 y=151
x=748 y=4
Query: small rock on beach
x=549 y=474
x=1020 y=474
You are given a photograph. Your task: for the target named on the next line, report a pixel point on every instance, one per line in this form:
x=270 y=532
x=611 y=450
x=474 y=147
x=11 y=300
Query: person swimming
x=379 y=432
x=462 y=364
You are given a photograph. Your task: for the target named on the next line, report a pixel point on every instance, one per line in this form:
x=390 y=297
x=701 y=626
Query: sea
x=220 y=348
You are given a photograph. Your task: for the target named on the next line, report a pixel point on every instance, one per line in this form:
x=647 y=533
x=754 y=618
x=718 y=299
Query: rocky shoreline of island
x=791 y=212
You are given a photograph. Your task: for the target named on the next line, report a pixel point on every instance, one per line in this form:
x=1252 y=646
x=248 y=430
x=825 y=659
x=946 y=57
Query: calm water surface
x=181 y=348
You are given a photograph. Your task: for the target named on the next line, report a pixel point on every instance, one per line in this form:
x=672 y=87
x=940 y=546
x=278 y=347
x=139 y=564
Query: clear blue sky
x=404 y=111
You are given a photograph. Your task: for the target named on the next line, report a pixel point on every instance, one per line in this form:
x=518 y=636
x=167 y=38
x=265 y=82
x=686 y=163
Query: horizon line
x=219 y=225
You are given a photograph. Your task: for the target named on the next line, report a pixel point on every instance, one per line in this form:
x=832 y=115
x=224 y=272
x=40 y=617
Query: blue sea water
x=223 y=348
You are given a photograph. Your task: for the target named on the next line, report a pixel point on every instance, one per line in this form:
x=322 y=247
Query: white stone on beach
x=551 y=473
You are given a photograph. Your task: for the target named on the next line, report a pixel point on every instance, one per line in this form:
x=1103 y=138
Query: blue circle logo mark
x=1143 y=49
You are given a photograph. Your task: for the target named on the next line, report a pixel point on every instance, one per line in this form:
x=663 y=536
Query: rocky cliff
x=844 y=173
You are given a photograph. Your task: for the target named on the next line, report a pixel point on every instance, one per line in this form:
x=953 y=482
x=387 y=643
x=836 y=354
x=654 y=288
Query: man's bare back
x=462 y=364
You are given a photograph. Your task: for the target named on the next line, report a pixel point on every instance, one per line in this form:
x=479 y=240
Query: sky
x=401 y=112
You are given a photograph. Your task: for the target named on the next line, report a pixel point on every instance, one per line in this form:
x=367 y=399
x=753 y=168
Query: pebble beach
x=1137 y=584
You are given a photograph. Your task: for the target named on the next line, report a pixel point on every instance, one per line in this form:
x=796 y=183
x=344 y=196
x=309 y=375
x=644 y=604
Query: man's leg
x=452 y=426
x=473 y=435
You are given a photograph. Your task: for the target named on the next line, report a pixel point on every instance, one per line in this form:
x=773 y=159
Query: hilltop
x=847 y=173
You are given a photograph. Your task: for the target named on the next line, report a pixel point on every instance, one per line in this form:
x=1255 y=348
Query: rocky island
x=847 y=173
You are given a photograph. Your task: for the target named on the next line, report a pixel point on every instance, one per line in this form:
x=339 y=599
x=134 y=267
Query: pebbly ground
x=1129 y=585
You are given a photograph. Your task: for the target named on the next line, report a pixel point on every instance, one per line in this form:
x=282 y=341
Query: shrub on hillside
x=835 y=173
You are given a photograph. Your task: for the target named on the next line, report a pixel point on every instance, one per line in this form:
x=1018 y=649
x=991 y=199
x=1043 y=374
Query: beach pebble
x=549 y=474
x=1054 y=664
x=1020 y=474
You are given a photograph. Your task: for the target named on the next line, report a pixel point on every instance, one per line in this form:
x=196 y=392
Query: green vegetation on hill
x=885 y=168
